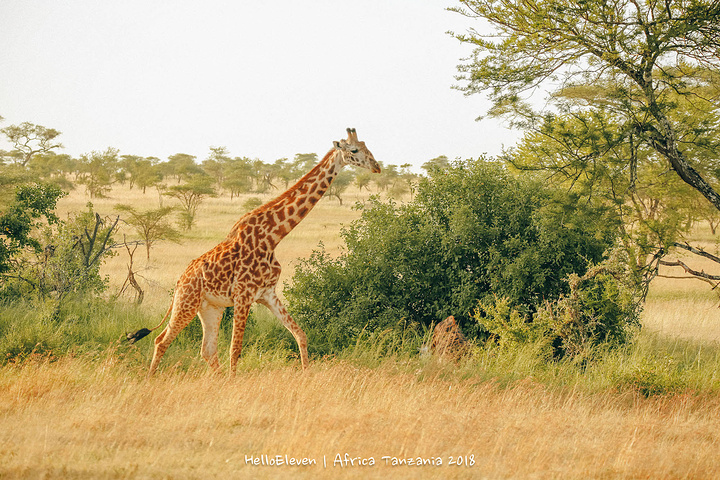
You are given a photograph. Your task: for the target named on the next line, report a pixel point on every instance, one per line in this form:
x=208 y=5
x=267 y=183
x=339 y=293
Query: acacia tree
x=238 y=176
x=585 y=153
x=98 y=169
x=150 y=225
x=191 y=195
x=146 y=173
x=645 y=53
x=340 y=184
x=181 y=165
x=216 y=164
x=29 y=139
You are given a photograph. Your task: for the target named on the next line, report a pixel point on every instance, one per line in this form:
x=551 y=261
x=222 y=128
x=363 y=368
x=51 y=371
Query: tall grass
x=81 y=407
x=95 y=416
x=40 y=328
x=654 y=364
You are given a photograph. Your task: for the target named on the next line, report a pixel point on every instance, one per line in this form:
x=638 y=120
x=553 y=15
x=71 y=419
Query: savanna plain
x=649 y=411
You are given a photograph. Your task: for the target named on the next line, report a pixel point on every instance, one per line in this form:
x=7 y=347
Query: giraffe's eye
x=353 y=150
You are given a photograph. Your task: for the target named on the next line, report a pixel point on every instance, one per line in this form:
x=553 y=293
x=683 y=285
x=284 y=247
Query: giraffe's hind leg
x=240 y=315
x=182 y=314
x=271 y=300
x=210 y=317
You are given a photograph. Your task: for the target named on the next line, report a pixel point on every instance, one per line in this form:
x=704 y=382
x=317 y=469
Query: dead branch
x=697 y=251
x=130 y=280
x=699 y=274
x=678 y=277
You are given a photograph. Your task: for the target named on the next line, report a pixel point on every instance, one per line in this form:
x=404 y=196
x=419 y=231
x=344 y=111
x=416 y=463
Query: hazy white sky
x=266 y=79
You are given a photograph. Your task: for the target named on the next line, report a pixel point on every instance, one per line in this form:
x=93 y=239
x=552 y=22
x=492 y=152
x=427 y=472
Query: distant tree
x=73 y=167
x=191 y=195
x=285 y=171
x=708 y=213
x=52 y=167
x=146 y=173
x=388 y=176
x=238 y=176
x=303 y=162
x=182 y=166
x=151 y=225
x=98 y=169
x=127 y=166
x=216 y=164
x=399 y=188
x=409 y=180
x=363 y=180
x=29 y=139
x=436 y=164
x=340 y=184
x=264 y=175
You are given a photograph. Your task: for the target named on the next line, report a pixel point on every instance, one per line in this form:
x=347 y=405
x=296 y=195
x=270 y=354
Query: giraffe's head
x=354 y=152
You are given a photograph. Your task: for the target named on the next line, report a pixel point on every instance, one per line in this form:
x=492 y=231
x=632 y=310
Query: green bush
x=602 y=308
x=64 y=262
x=252 y=203
x=473 y=232
x=32 y=206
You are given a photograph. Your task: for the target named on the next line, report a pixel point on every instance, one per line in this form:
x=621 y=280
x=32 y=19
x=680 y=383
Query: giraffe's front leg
x=240 y=315
x=271 y=300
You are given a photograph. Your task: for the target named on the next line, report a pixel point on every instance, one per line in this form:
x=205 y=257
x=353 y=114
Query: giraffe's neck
x=282 y=214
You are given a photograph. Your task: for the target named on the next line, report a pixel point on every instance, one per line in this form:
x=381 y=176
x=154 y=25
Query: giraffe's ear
x=336 y=145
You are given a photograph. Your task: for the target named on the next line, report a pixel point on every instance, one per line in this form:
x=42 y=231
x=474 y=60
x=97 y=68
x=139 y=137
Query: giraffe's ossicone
x=242 y=269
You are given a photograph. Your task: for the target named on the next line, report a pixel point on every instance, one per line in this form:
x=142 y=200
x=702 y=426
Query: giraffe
x=242 y=269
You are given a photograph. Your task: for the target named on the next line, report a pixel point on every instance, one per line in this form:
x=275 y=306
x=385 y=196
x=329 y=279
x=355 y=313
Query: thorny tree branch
x=692 y=274
x=130 y=280
x=92 y=239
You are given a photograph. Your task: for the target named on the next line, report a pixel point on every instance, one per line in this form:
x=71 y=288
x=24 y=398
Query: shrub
x=33 y=206
x=65 y=260
x=472 y=233
x=252 y=203
x=602 y=308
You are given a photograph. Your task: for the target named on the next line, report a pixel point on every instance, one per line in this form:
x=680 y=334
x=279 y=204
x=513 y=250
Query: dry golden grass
x=97 y=417
x=77 y=419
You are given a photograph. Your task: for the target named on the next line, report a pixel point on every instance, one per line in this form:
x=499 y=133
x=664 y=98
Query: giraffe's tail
x=144 y=332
